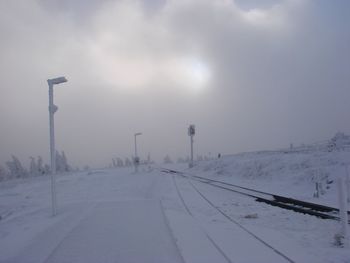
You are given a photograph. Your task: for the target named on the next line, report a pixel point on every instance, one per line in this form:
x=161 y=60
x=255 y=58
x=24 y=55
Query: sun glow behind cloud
x=198 y=73
x=132 y=51
x=135 y=72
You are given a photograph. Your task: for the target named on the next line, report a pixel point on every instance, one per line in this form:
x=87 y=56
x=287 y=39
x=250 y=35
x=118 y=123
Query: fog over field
x=249 y=74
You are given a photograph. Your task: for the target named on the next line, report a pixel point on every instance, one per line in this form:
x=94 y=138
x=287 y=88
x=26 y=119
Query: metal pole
x=342 y=199
x=52 y=110
x=347 y=183
x=135 y=158
x=135 y=147
x=191 y=150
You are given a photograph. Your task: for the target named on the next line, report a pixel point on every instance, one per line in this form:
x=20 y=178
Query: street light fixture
x=52 y=109
x=136 y=158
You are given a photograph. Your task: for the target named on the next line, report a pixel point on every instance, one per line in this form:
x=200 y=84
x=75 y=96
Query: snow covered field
x=119 y=216
x=292 y=174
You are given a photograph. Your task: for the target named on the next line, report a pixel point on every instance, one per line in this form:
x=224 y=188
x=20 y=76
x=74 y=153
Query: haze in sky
x=249 y=74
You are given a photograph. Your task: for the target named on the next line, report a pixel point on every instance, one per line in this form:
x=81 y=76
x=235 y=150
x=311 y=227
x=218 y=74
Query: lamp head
x=139 y=133
x=55 y=81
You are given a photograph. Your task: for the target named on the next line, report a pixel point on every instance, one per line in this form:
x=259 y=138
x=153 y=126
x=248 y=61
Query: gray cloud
x=249 y=75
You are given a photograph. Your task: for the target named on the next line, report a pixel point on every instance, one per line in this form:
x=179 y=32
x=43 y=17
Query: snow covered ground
x=119 y=216
x=292 y=174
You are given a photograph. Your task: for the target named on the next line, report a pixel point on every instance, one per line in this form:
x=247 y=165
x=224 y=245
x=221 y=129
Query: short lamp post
x=136 y=158
x=52 y=109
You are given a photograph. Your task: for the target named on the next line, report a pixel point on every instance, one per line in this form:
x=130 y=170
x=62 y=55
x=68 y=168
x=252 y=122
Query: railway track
x=230 y=219
x=321 y=211
x=191 y=214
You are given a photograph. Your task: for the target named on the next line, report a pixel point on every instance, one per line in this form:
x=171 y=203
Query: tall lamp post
x=52 y=109
x=136 y=158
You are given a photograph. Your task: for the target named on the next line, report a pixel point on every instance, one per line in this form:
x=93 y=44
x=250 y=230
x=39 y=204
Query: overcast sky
x=250 y=75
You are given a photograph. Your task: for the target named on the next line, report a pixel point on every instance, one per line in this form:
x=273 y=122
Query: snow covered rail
x=238 y=231
x=321 y=211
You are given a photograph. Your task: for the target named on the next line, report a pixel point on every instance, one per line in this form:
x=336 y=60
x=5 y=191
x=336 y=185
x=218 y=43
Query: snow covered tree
x=149 y=160
x=61 y=162
x=120 y=162
x=33 y=169
x=16 y=168
x=114 y=164
x=3 y=173
x=40 y=167
x=59 y=165
x=127 y=162
x=66 y=166
x=47 y=169
x=37 y=167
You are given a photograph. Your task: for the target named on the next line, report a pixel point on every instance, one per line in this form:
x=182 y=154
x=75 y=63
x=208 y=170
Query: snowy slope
x=288 y=173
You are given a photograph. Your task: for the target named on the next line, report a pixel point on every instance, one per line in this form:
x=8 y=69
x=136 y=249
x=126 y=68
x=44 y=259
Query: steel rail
x=321 y=211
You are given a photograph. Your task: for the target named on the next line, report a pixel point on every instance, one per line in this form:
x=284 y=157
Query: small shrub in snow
x=251 y=216
x=339 y=240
